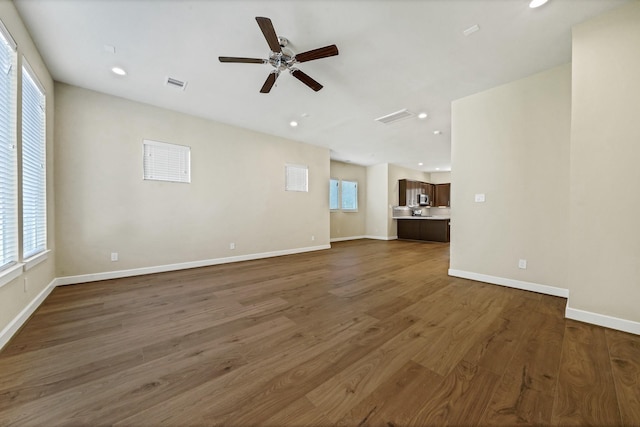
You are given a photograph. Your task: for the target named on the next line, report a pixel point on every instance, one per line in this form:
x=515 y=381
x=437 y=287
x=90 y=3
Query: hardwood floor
x=368 y=333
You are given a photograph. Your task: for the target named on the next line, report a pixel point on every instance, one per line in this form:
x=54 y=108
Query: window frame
x=340 y=191
x=290 y=180
x=182 y=150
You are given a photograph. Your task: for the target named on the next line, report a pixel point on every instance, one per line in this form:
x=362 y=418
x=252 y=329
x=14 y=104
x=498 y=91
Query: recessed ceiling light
x=304 y=115
x=422 y=115
x=119 y=71
x=536 y=3
x=293 y=123
x=437 y=132
x=420 y=164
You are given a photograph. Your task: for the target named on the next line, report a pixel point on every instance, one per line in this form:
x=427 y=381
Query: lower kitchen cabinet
x=433 y=230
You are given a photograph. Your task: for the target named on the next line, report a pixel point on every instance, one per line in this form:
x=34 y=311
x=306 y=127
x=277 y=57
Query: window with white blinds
x=8 y=170
x=34 y=189
x=296 y=178
x=166 y=162
x=349 y=196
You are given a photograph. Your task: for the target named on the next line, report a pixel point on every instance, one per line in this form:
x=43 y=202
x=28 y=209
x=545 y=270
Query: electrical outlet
x=479 y=198
x=522 y=264
x=313 y=237
x=114 y=256
x=232 y=245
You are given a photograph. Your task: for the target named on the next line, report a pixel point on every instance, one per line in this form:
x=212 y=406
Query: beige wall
x=440 y=177
x=377 y=200
x=236 y=194
x=511 y=143
x=604 y=262
x=13 y=297
x=350 y=224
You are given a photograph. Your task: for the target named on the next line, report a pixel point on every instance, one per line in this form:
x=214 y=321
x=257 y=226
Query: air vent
x=394 y=117
x=178 y=84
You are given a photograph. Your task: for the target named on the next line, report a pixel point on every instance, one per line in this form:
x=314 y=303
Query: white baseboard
x=107 y=275
x=511 y=283
x=24 y=315
x=603 y=320
x=344 y=239
x=381 y=237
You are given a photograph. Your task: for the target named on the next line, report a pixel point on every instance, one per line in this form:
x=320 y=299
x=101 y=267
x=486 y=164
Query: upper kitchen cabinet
x=408 y=191
x=443 y=195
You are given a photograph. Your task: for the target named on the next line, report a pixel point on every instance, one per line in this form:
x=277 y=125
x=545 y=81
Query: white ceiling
x=394 y=54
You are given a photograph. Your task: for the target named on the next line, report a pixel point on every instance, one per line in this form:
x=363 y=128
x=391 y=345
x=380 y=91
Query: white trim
x=107 y=275
x=10 y=273
x=603 y=320
x=342 y=239
x=31 y=262
x=10 y=330
x=381 y=237
x=511 y=283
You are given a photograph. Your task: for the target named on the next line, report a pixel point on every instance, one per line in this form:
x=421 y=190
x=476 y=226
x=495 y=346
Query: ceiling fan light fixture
x=536 y=3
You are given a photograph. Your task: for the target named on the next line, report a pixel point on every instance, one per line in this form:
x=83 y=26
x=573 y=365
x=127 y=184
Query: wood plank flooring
x=368 y=333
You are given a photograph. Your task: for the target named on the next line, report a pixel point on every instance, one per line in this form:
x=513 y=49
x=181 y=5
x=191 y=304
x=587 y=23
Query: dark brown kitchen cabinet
x=408 y=191
x=442 y=195
x=433 y=230
x=409 y=229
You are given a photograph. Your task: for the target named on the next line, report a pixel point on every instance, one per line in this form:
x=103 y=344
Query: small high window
x=166 y=162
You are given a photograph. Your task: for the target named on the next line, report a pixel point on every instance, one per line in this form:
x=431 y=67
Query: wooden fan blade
x=241 y=60
x=304 y=78
x=268 y=84
x=269 y=33
x=322 y=52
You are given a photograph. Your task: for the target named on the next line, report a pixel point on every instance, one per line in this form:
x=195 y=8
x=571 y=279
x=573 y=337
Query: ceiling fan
x=281 y=58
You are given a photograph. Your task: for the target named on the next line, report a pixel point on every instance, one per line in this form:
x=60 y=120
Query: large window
x=343 y=195
x=8 y=178
x=34 y=197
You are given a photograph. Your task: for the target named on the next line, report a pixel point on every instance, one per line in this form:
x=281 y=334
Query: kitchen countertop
x=432 y=217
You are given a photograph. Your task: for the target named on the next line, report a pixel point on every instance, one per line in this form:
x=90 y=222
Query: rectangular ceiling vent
x=394 y=117
x=178 y=84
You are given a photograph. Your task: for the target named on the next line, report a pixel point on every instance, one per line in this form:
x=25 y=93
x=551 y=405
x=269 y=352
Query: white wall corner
x=14 y=326
x=603 y=320
x=511 y=283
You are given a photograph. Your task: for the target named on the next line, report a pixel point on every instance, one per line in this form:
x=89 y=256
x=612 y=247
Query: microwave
x=423 y=200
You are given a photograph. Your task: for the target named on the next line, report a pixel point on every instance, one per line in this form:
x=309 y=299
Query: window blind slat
x=8 y=170
x=166 y=162
x=34 y=213
x=296 y=178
